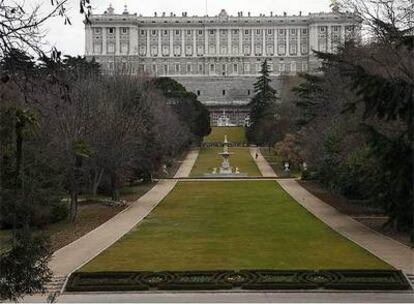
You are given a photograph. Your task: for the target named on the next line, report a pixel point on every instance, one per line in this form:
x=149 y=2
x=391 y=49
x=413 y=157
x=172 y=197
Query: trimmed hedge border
x=219 y=144
x=244 y=279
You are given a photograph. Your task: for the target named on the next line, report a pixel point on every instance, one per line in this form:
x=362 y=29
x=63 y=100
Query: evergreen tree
x=262 y=106
x=383 y=81
x=188 y=108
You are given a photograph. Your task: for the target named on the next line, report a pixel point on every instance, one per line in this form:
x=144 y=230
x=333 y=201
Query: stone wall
x=223 y=90
x=229 y=94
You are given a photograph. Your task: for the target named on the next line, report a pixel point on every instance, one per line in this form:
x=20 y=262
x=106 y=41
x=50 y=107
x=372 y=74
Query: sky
x=70 y=39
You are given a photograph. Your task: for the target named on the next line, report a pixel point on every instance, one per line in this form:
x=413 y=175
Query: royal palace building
x=216 y=57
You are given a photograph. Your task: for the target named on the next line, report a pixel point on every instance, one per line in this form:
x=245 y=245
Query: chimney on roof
x=300 y=13
x=271 y=14
x=155 y=14
x=284 y=14
x=248 y=14
x=163 y=14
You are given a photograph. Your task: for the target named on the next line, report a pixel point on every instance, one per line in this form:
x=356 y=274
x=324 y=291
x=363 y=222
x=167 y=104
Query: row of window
x=225 y=32
x=177 y=51
x=224 y=50
x=215 y=69
x=125 y=30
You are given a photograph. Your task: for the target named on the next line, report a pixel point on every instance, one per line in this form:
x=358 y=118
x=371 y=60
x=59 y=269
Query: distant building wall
x=225 y=94
x=216 y=57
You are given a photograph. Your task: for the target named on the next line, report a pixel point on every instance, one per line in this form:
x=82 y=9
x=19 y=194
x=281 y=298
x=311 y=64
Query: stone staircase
x=55 y=285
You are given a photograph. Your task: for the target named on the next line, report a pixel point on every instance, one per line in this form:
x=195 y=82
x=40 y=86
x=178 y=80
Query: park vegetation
x=66 y=129
x=353 y=121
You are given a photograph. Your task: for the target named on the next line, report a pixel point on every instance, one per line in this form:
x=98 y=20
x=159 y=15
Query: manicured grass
x=209 y=159
x=232 y=225
x=234 y=135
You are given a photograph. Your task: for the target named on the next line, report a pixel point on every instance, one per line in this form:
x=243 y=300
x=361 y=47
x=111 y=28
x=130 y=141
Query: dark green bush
x=245 y=279
x=59 y=212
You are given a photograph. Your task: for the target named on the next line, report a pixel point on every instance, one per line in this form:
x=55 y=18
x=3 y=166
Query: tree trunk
x=97 y=181
x=74 y=191
x=19 y=154
x=115 y=187
x=73 y=206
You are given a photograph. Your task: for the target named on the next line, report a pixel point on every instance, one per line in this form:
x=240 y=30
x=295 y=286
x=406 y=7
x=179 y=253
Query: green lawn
x=209 y=159
x=234 y=135
x=232 y=226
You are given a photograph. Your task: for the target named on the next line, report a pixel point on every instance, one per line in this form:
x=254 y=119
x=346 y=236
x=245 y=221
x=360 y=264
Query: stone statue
x=287 y=167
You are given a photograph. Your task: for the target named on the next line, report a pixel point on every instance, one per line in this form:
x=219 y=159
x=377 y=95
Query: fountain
x=225 y=169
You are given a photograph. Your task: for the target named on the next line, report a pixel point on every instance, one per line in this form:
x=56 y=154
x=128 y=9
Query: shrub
x=59 y=212
x=245 y=279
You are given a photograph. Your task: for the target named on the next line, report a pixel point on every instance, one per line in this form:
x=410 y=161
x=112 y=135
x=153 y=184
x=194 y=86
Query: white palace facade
x=218 y=58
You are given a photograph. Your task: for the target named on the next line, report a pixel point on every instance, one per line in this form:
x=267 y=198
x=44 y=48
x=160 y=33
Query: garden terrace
x=235 y=135
x=209 y=159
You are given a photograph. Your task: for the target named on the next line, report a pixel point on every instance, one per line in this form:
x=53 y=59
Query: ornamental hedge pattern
x=244 y=279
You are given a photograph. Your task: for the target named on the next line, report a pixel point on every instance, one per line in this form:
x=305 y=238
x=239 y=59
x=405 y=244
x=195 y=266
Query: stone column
x=206 y=50
x=240 y=41
x=206 y=33
x=104 y=41
x=218 y=42
x=195 y=43
x=229 y=46
x=159 y=43
x=117 y=40
x=264 y=51
x=276 y=53
x=183 y=45
x=299 y=47
x=287 y=42
x=171 y=43
x=329 y=34
x=252 y=51
x=148 y=43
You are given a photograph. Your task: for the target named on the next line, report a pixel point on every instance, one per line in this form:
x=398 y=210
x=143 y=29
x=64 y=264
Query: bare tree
x=396 y=14
x=21 y=22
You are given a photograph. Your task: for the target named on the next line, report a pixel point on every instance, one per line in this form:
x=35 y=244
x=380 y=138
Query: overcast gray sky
x=71 y=39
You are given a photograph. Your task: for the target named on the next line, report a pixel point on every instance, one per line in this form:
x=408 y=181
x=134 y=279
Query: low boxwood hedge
x=245 y=279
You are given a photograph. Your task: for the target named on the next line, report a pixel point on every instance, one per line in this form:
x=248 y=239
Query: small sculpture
x=287 y=167
x=214 y=170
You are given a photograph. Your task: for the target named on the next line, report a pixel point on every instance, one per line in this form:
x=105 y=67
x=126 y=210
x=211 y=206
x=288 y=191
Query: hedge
x=244 y=279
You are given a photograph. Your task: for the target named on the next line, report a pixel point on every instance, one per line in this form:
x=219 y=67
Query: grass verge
x=234 y=135
x=232 y=225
